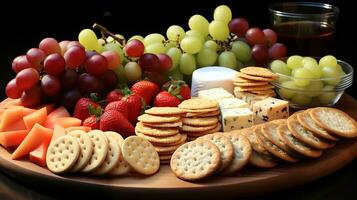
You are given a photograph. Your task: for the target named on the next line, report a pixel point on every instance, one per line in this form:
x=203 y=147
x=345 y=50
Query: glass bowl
x=319 y=92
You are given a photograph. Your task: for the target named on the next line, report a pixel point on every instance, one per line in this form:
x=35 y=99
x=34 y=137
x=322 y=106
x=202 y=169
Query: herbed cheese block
x=232 y=103
x=214 y=94
x=237 y=118
x=249 y=98
x=270 y=109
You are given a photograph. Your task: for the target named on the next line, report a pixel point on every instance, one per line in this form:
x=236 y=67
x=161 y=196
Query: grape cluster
x=62 y=71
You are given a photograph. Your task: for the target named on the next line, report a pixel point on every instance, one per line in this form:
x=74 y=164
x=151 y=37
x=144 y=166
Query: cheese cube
x=270 y=109
x=236 y=118
x=232 y=103
x=214 y=94
x=249 y=97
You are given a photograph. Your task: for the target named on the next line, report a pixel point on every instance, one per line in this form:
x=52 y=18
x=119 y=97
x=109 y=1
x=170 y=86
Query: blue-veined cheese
x=270 y=109
x=236 y=118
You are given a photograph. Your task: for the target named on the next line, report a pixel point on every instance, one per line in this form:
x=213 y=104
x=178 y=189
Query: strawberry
x=92 y=122
x=121 y=106
x=178 y=88
x=146 y=89
x=114 y=95
x=136 y=105
x=81 y=110
x=165 y=99
x=185 y=91
x=112 y=120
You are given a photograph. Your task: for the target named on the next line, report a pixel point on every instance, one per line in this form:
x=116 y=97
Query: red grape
x=149 y=62
x=51 y=85
x=238 y=26
x=278 y=50
x=20 y=63
x=134 y=48
x=109 y=79
x=74 y=43
x=54 y=64
x=70 y=98
x=165 y=62
x=68 y=78
x=156 y=77
x=270 y=36
x=64 y=46
x=27 y=79
x=96 y=64
x=113 y=59
x=32 y=98
x=50 y=46
x=255 y=36
x=35 y=56
x=74 y=57
x=90 y=54
x=88 y=83
x=260 y=53
x=12 y=91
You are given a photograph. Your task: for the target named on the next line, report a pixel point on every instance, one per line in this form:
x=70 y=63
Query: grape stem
x=105 y=31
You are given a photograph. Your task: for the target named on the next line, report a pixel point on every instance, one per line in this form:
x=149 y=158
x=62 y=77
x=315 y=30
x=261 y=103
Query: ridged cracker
x=146 y=118
x=164 y=111
x=182 y=140
x=202 y=110
x=141 y=155
x=62 y=154
x=204 y=114
x=258 y=71
x=115 y=136
x=261 y=160
x=255 y=78
x=198 y=104
x=122 y=167
x=253 y=140
x=252 y=84
x=199 y=134
x=270 y=131
x=161 y=140
x=254 y=88
x=159 y=132
x=187 y=128
x=86 y=145
x=238 y=79
x=169 y=149
x=201 y=121
x=195 y=160
x=164 y=125
x=112 y=158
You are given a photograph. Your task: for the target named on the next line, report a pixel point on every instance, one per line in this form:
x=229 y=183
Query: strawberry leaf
x=98 y=111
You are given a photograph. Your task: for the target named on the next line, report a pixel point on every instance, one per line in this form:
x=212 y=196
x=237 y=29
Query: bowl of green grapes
x=311 y=81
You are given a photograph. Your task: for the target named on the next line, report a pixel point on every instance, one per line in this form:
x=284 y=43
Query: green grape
x=175 y=55
x=199 y=23
x=328 y=96
x=314 y=69
x=88 y=39
x=301 y=99
x=222 y=13
x=155 y=48
x=206 y=57
x=153 y=38
x=191 y=45
x=280 y=67
x=242 y=51
x=302 y=77
x=132 y=71
x=169 y=45
x=138 y=37
x=195 y=34
x=187 y=63
x=339 y=68
x=227 y=59
x=175 y=33
x=328 y=60
x=294 y=70
x=110 y=39
x=175 y=74
x=211 y=45
x=240 y=65
x=120 y=72
x=114 y=47
x=294 y=62
x=287 y=90
x=283 y=79
x=332 y=75
x=218 y=30
x=101 y=43
x=309 y=59
x=314 y=88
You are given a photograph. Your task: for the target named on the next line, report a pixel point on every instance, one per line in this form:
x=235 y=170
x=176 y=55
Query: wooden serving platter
x=164 y=184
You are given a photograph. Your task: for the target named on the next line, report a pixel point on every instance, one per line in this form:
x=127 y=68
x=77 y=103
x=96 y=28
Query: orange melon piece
x=57 y=113
x=12 y=138
x=12 y=114
x=16 y=126
x=38 y=156
x=65 y=122
x=34 y=138
x=6 y=103
x=38 y=116
x=58 y=131
x=49 y=107
x=81 y=128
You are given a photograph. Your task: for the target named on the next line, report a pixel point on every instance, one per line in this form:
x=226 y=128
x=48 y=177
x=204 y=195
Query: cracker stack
x=201 y=118
x=255 y=80
x=160 y=126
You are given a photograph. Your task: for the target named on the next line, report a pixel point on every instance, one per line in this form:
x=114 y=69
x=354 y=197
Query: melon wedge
x=13 y=114
x=58 y=131
x=16 y=126
x=57 y=113
x=38 y=156
x=81 y=128
x=49 y=107
x=34 y=138
x=38 y=116
x=12 y=138
x=65 y=122
x=6 y=103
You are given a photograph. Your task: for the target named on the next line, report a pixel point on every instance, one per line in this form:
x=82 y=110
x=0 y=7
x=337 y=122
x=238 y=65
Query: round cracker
x=202 y=133
x=261 y=160
x=238 y=79
x=258 y=71
x=181 y=141
x=159 y=132
x=164 y=125
x=254 y=88
x=187 y=128
x=195 y=160
x=198 y=104
x=141 y=155
x=116 y=136
x=62 y=154
x=255 y=78
x=250 y=84
x=253 y=140
x=164 y=111
x=146 y=118
x=86 y=145
x=169 y=149
x=270 y=131
x=112 y=157
x=161 y=140
x=122 y=167
x=201 y=121
x=204 y=114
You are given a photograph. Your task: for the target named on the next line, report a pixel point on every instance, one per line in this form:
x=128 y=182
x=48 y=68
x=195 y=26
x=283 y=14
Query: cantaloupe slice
x=38 y=156
x=49 y=107
x=38 y=116
x=34 y=138
x=6 y=103
x=12 y=114
x=58 y=131
x=81 y=128
x=65 y=122
x=16 y=126
x=57 y=113
x=12 y=138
